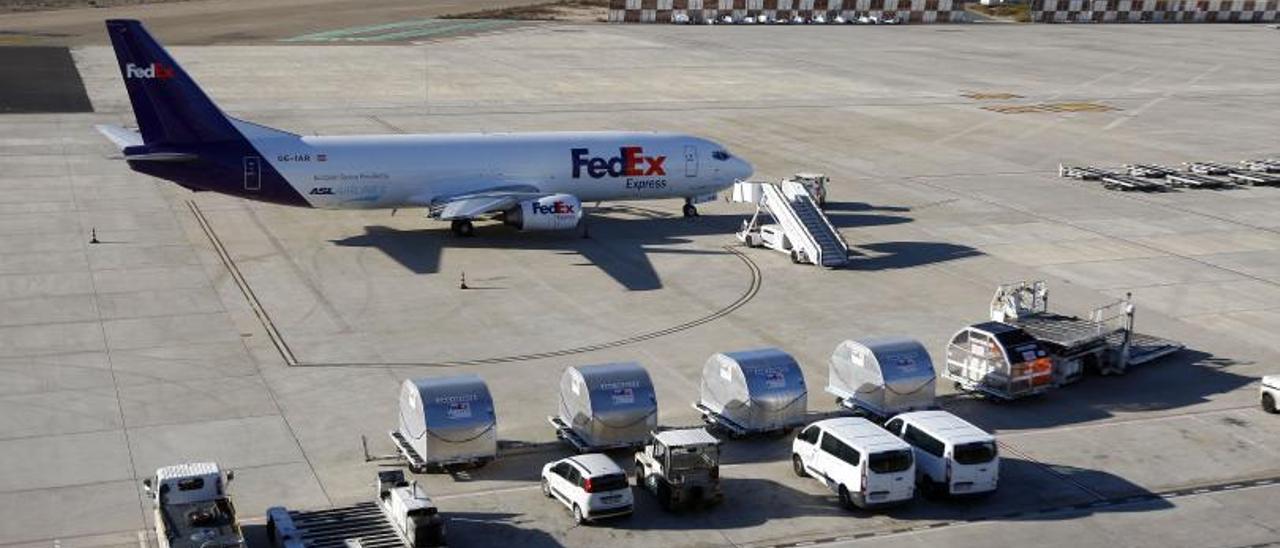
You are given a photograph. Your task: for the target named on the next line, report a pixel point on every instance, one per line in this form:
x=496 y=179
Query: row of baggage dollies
x=1158 y=178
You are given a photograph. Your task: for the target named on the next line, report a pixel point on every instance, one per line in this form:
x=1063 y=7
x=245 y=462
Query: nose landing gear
x=690 y=210
x=463 y=228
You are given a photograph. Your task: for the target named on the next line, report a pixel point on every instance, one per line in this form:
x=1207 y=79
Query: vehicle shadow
x=747 y=502
x=1031 y=490
x=862 y=206
x=256 y=535
x=522 y=466
x=618 y=242
x=898 y=255
x=1183 y=379
x=495 y=529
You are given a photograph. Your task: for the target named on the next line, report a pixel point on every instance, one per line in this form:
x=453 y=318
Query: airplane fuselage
x=403 y=171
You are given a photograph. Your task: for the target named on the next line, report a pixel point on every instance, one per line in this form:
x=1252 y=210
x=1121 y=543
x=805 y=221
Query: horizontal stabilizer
x=122 y=137
x=161 y=157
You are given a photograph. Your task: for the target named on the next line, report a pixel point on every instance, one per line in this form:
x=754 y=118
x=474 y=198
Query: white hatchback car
x=591 y=486
x=1271 y=393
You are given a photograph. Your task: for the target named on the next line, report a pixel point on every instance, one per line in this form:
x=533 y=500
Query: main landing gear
x=690 y=210
x=463 y=228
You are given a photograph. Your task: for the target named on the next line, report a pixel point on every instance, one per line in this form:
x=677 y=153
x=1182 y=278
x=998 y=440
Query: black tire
x=846 y=501
x=689 y=210
x=929 y=488
x=546 y=489
x=797 y=466
x=665 y=497
x=1269 y=404
x=795 y=256
x=578 y=518
x=463 y=228
x=640 y=476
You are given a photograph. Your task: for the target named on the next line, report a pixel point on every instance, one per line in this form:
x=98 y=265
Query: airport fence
x=1154 y=11
x=699 y=11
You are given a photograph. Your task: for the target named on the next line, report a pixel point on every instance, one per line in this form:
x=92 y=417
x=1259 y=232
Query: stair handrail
x=774 y=193
x=799 y=192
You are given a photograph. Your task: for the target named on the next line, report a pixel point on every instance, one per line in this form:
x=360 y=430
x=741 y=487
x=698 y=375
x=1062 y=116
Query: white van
x=953 y=457
x=861 y=462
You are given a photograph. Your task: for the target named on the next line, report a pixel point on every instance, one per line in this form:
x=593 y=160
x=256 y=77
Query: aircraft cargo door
x=690 y=161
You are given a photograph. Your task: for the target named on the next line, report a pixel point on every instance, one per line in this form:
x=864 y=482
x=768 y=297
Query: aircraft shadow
x=495 y=529
x=620 y=247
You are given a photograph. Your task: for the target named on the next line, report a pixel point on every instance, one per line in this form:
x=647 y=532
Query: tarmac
x=272 y=339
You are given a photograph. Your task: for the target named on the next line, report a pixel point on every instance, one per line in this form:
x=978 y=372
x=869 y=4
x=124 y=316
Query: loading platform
x=1104 y=341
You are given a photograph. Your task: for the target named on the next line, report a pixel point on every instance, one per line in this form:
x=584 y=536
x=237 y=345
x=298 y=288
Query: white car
x=591 y=486
x=863 y=464
x=1271 y=393
x=953 y=457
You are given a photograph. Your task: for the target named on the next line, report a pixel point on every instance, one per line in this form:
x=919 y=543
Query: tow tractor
x=681 y=468
x=192 y=507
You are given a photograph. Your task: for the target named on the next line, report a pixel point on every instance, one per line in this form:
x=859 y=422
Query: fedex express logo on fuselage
x=154 y=71
x=630 y=162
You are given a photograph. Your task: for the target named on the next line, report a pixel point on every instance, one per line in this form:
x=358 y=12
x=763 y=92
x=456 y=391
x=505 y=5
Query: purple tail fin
x=171 y=109
x=185 y=137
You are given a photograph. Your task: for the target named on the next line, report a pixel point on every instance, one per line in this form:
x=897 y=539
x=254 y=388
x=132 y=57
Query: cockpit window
x=720 y=155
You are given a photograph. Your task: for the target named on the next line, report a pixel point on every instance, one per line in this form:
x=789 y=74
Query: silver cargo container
x=753 y=391
x=606 y=406
x=882 y=377
x=446 y=421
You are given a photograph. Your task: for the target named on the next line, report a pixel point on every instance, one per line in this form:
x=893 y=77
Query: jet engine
x=555 y=212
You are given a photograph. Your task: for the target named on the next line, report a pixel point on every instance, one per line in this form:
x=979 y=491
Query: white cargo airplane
x=531 y=181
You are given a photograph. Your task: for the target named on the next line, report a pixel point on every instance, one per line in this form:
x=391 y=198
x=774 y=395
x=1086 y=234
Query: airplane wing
x=476 y=204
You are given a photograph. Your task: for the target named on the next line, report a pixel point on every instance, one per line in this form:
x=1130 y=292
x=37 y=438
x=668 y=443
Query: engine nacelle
x=555 y=212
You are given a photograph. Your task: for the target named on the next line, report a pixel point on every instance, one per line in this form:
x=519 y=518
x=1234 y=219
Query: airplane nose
x=743 y=169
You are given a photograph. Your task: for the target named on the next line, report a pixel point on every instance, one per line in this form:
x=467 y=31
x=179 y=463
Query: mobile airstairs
x=800 y=229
